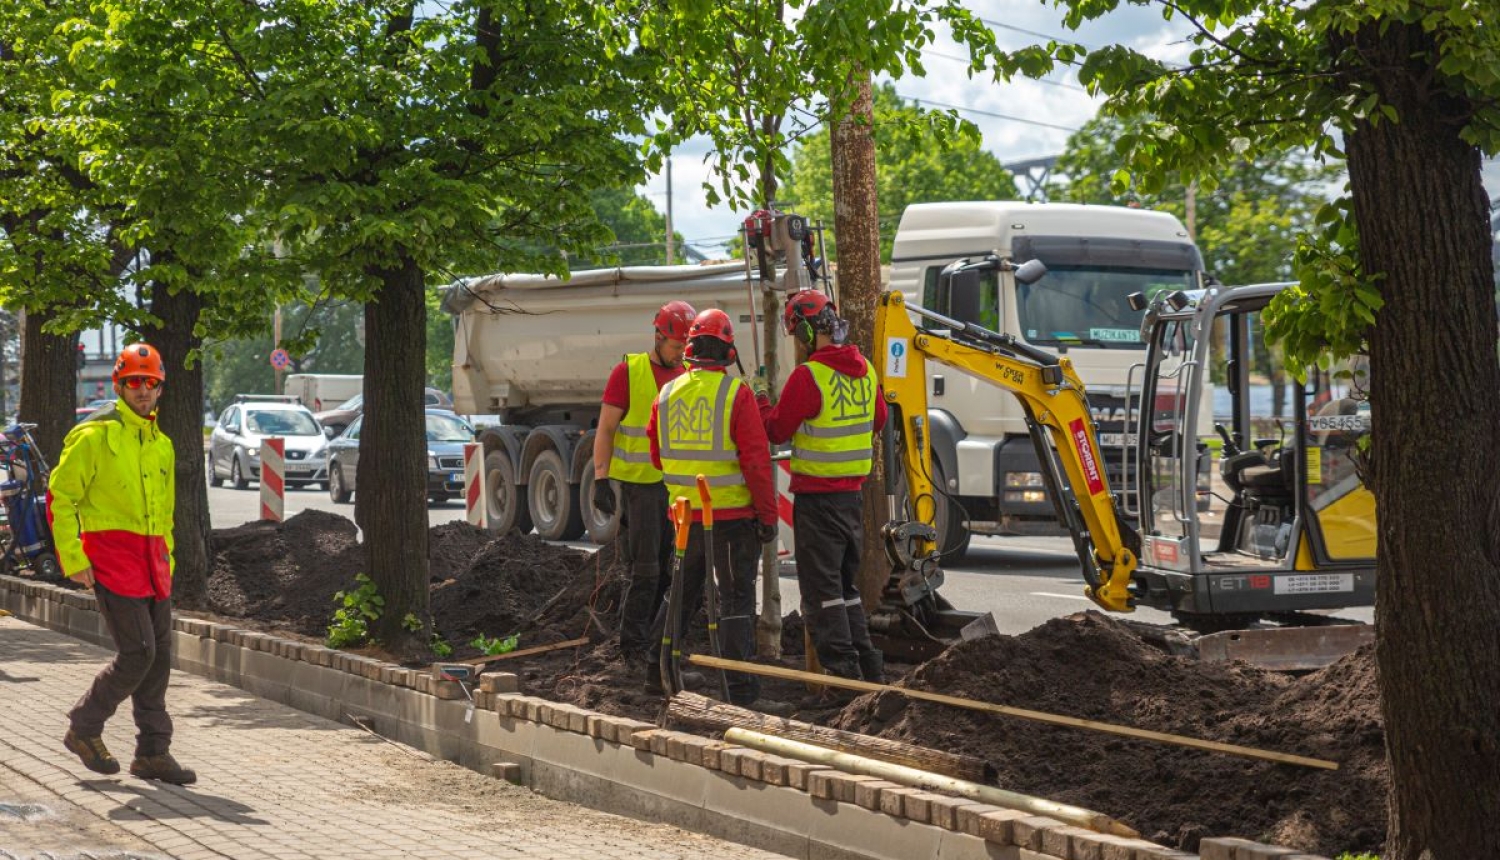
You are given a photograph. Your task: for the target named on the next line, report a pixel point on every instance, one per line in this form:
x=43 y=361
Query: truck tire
x=506 y=509
x=952 y=535
x=601 y=529
x=553 y=502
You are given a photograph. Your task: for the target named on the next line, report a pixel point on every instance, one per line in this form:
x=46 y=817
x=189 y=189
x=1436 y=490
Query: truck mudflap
x=1286 y=649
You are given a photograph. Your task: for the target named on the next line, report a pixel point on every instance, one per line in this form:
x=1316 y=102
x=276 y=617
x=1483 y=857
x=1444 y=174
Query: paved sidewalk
x=272 y=783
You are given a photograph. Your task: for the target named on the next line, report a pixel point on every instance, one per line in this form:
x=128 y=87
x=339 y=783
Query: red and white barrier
x=474 y=510
x=273 y=479
x=785 y=540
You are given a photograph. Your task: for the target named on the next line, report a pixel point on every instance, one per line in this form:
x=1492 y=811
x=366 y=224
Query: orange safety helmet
x=674 y=319
x=139 y=359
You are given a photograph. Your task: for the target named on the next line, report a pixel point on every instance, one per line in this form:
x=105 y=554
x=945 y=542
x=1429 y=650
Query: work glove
x=765 y=532
x=604 y=497
x=759 y=386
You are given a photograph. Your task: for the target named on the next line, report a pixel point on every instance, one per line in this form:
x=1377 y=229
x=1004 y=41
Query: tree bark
x=1423 y=221
x=180 y=415
x=768 y=626
x=49 y=382
x=856 y=223
x=391 y=499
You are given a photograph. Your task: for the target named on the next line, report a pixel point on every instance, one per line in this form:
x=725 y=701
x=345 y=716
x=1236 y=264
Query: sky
x=1034 y=118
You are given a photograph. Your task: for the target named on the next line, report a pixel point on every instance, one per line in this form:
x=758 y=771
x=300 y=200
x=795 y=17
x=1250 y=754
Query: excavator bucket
x=1286 y=649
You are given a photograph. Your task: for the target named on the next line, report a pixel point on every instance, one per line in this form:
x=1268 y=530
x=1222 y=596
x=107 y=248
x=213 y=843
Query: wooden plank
x=1005 y=710
x=693 y=709
x=524 y=652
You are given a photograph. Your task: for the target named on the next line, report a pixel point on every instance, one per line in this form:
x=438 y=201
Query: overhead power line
x=1008 y=117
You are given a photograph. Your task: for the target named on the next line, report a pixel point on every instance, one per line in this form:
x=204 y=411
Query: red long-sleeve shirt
x=801 y=400
x=749 y=435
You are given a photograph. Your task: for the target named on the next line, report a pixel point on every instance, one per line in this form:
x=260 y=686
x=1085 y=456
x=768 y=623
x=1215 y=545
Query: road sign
x=281 y=359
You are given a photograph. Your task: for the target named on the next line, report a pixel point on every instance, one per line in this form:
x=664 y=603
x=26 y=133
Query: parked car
x=342 y=415
x=234 y=445
x=446 y=436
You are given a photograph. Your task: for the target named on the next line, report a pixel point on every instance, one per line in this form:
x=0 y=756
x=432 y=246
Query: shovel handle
x=708 y=504
x=682 y=516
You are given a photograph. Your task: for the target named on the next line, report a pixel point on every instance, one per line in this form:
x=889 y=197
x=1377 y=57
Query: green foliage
x=639 y=231
x=920 y=157
x=323 y=338
x=440 y=646
x=491 y=647
x=1358 y=857
x=439 y=343
x=410 y=622
x=356 y=610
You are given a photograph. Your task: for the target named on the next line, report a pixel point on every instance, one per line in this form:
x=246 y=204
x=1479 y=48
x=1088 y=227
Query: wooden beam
x=1007 y=711
x=524 y=652
x=695 y=710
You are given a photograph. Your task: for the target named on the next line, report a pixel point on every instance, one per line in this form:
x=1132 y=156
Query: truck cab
x=984 y=462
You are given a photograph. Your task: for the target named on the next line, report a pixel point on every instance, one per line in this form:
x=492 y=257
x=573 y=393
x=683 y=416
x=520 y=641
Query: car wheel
x=552 y=500
x=236 y=475
x=213 y=473
x=601 y=529
x=338 y=491
x=507 y=510
x=439 y=498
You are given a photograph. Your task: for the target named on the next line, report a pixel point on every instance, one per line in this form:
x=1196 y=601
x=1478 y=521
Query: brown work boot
x=162 y=767
x=92 y=752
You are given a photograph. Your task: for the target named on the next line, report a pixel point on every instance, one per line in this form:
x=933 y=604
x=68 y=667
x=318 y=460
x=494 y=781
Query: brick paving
x=272 y=783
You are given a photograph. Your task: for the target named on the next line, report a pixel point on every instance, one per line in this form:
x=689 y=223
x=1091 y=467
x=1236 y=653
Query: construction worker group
x=674 y=413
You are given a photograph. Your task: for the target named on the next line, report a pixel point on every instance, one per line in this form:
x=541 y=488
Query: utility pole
x=670 y=248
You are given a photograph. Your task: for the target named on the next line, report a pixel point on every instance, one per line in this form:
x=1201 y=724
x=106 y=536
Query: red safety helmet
x=139 y=359
x=807 y=306
x=674 y=319
x=713 y=323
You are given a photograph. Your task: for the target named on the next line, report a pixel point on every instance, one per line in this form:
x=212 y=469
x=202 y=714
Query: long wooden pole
x=1005 y=710
x=848 y=762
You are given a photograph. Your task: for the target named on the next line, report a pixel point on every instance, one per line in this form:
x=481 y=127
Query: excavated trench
x=284 y=577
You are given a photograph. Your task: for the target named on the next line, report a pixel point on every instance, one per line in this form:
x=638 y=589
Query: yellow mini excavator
x=1255 y=550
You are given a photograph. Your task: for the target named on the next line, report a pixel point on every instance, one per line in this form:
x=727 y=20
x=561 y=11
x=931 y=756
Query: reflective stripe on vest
x=631 y=459
x=693 y=431
x=836 y=443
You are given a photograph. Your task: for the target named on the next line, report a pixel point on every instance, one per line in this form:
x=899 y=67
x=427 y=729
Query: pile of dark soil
x=1091 y=667
x=1086 y=666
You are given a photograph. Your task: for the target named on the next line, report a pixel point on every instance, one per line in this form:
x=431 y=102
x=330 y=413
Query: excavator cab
x=1285 y=524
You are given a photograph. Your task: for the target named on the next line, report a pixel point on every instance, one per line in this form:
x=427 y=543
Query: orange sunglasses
x=151 y=382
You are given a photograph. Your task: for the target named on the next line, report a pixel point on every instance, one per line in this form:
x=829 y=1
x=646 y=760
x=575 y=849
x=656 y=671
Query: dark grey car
x=446 y=436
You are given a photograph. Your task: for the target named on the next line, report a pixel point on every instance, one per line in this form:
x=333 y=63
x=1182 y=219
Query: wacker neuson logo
x=1090 y=462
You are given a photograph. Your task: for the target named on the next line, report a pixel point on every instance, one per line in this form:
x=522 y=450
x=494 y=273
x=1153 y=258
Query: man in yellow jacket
x=111 y=502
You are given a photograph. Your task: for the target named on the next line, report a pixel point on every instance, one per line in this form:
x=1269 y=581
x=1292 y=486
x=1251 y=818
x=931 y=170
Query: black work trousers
x=829 y=534
x=737 y=555
x=142 y=630
x=646 y=540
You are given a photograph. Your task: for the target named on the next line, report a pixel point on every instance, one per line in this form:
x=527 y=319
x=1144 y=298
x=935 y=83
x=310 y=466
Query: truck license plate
x=1115 y=440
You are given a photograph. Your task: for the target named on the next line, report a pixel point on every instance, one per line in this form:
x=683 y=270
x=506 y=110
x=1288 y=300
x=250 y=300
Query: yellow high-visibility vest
x=693 y=432
x=630 y=460
x=836 y=443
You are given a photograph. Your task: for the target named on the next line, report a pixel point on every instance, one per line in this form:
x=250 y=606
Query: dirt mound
x=451 y=548
x=284 y=573
x=1091 y=667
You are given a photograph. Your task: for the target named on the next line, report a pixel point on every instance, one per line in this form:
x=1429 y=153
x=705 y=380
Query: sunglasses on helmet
x=151 y=382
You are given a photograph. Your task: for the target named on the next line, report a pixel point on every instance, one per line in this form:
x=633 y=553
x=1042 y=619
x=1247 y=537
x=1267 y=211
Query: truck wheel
x=952 y=535
x=552 y=500
x=213 y=474
x=601 y=529
x=506 y=508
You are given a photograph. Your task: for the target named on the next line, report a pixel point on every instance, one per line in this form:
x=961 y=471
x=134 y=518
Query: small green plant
x=1359 y=857
x=440 y=647
x=491 y=647
x=351 y=621
x=411 y=622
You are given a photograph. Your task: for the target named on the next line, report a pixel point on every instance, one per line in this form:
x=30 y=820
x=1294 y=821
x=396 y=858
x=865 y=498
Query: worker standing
x=622 y=458
x=111 y=502
x=830 y=409
x=706 y=423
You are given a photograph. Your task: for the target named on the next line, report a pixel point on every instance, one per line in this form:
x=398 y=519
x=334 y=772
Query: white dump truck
x=536 y=351
x=985 y=465
x=321 y=391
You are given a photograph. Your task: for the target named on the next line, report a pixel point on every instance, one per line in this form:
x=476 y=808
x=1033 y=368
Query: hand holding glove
x=765 y=532
x=759 y=386
x=604 y=497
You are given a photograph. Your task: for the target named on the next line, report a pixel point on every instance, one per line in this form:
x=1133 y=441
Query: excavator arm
x=1054 y=401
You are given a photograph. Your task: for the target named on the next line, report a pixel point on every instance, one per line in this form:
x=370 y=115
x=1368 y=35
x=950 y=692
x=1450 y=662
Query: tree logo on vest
x=690 y=422
x=851 y=397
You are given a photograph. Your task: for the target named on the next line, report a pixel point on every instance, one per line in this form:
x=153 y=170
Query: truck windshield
x=1086 y=305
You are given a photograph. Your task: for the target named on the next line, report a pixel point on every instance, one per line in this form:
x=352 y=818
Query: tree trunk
x=180 y=414
x=49 y=383
x=768 y=626
x=856 y=223
x=1423 y=221
x=393 y=453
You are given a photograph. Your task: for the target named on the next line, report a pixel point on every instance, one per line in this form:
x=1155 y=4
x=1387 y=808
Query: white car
x=234 y=445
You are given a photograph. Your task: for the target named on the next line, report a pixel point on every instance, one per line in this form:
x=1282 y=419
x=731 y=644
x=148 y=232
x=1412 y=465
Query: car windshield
x=448 y=428
x=1086 y=305
x=266 y=422
x=352 y=403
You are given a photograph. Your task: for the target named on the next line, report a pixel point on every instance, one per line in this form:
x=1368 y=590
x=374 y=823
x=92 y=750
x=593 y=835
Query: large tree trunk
x=768 y=626
x=856 y=223
x=391 y=494
x=1423 y=223
x=180 y=414
x=49 y=382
